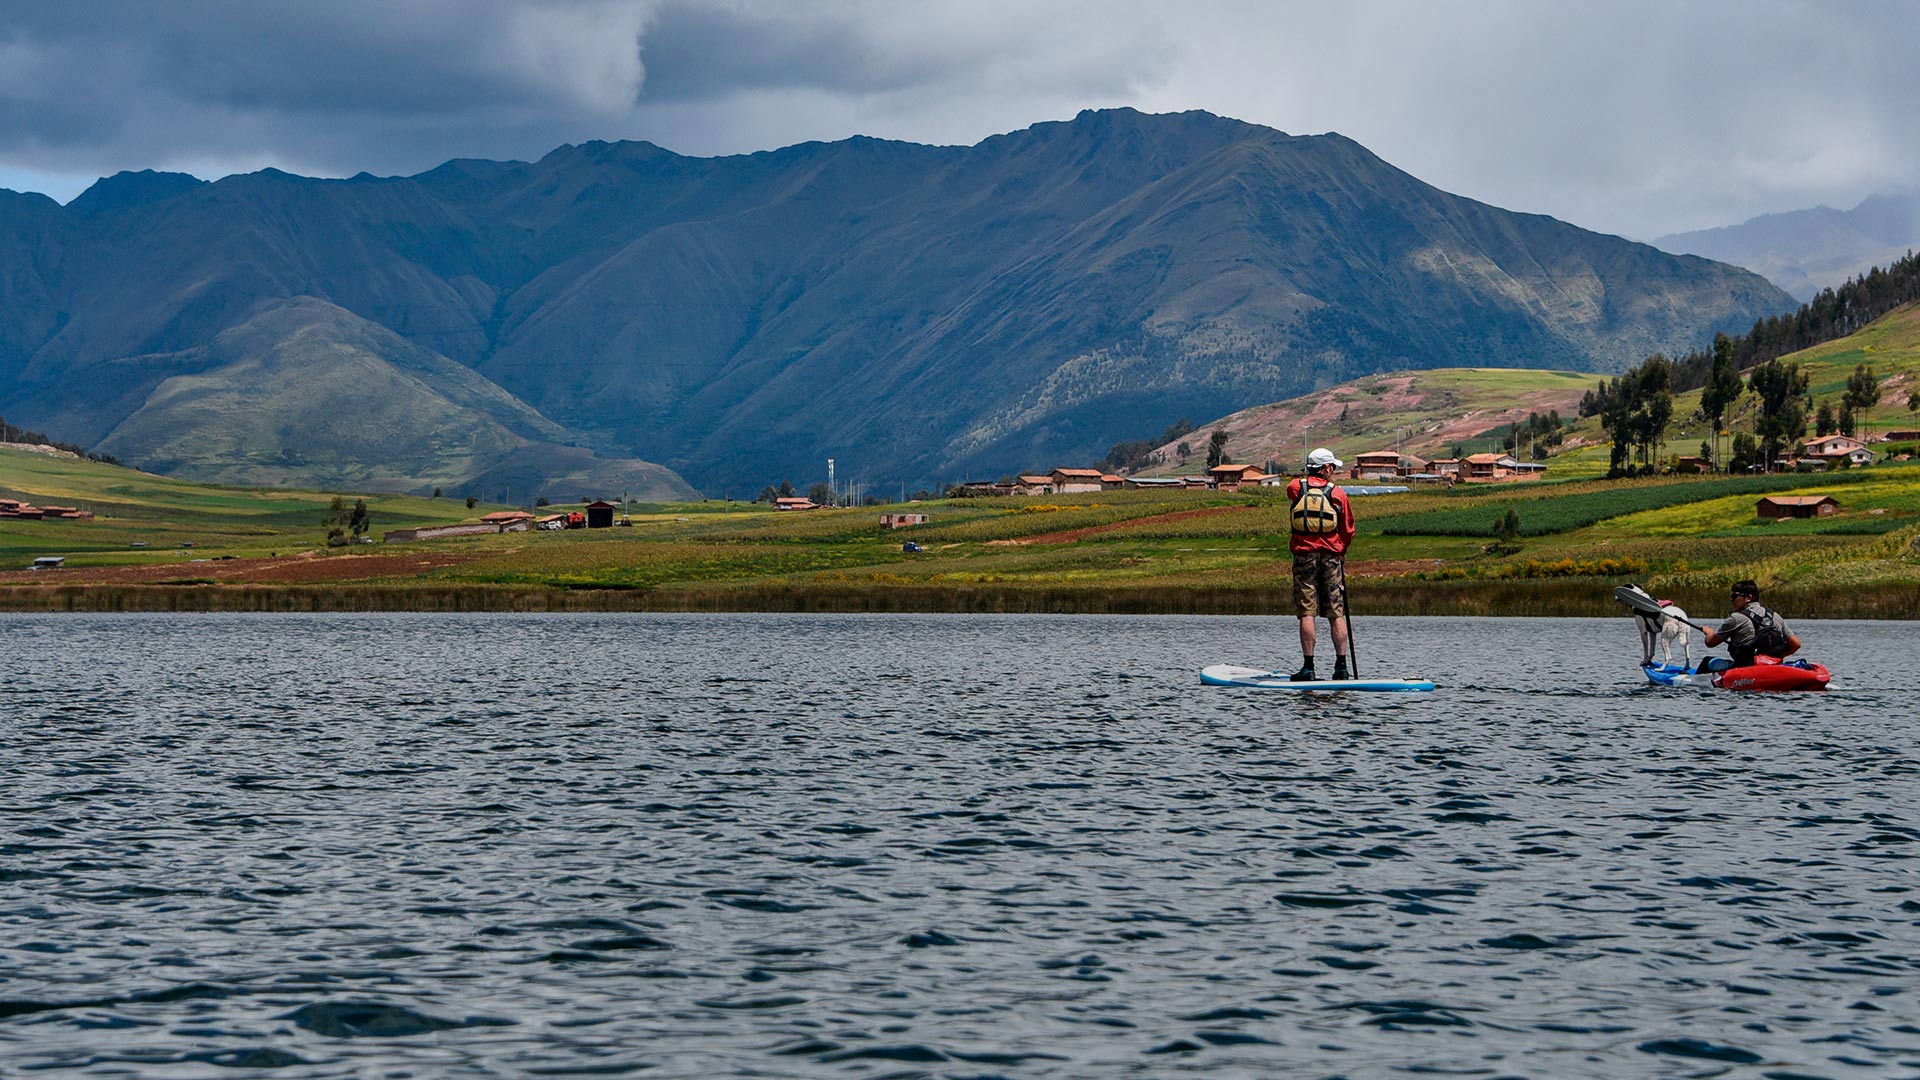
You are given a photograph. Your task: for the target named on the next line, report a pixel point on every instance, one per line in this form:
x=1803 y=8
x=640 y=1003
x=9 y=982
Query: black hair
x=1746 y=588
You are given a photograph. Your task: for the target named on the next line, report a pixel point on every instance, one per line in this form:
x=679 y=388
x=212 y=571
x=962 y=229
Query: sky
x=1637 y=118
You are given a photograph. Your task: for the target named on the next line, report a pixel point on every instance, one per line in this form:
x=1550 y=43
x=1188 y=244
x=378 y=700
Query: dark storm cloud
x=1634 y=116
x=332 y=87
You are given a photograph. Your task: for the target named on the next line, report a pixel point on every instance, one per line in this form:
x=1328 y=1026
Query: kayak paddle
x=1647 y=605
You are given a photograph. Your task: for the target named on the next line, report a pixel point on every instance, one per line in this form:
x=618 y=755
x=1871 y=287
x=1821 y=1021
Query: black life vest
x=1768 y=639
x=1314 y=512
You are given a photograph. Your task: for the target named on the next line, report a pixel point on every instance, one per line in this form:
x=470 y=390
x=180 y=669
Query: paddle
x=1646 y=605
x=1353 y=652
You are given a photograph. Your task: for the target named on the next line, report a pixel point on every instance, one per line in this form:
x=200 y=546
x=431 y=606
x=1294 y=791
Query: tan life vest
x=1315 y=513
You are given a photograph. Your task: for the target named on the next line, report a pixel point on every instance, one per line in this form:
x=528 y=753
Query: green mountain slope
x=913 y=311
x=304 y=392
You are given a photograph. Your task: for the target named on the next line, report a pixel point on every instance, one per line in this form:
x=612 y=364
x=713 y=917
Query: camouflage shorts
x=1319 y=586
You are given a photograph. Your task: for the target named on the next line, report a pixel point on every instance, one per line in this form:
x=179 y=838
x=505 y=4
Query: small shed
x=1776 y=507
x=49 y=562
x=600 y=514
x=902 y=520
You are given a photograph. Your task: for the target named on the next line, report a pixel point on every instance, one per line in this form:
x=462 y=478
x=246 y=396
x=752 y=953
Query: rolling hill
x=914 y=311
x=1422 y=412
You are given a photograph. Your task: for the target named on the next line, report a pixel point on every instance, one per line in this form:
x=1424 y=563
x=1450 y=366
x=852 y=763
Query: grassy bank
x=1557 y=598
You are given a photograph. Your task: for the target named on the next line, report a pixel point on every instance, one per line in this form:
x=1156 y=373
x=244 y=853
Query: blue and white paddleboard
x=1261 y=679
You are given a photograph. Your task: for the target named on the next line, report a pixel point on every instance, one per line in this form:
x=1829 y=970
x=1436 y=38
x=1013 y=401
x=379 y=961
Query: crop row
x=1546 y=516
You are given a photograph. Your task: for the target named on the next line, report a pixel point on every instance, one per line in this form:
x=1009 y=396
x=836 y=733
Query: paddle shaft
x=1647 y=606
x=1346 y=604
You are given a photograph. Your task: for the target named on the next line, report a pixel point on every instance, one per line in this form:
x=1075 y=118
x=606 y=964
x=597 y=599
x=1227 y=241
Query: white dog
x=1668 y=628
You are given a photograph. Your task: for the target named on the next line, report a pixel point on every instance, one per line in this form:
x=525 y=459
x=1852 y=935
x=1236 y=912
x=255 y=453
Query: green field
x=132 y=507
x=1146 y=551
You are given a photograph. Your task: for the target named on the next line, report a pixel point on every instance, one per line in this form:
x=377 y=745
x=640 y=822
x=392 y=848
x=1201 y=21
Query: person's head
x=1322 y=462
x=1744 y=593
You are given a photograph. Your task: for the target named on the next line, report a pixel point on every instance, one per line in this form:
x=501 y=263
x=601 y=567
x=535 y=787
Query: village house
x=1074 y=481
x=1689 y=464
x=794 y=502
x=1900 y=435
x=1387 y=465
x=1483 y=467
x=1375 y=465
x=1837 y=448
x=509 y=520
x=902 y=520
x=1030 y=484
x=1110 y=481
x=1232 y=477
x=1155 y=482
x=1832 y=445
x=1777 y=507
x=1447 y=467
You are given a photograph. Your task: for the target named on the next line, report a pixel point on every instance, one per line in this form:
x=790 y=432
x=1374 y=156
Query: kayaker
x=1322 y=522
x=1752 y=630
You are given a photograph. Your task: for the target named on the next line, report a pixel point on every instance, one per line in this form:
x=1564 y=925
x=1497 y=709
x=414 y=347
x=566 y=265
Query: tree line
x=1636 y=407
x=16 y=434
x=1834 y=313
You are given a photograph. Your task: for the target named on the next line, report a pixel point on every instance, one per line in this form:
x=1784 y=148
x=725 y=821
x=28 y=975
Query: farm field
x=1128 y=551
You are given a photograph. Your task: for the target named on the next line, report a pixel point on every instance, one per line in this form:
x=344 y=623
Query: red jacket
x=1335 y=542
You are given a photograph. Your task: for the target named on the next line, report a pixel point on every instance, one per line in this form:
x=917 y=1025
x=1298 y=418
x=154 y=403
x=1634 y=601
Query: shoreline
x=1552 y=598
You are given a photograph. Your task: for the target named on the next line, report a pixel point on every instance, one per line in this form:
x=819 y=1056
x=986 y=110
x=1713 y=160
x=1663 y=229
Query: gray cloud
x=1636 y=117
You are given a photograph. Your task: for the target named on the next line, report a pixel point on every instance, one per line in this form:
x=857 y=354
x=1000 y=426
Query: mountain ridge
x=1804 y=251
x=915 y=311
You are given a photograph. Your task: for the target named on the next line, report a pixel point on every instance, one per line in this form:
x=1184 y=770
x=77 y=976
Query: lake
x=674 y=845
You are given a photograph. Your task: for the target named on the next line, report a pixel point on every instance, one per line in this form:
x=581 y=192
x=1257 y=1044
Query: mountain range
x=1804 y=251
x=614 y=316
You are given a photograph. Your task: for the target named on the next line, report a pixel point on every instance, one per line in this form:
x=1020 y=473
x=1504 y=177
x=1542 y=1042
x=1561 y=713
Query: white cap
x=1323 y=457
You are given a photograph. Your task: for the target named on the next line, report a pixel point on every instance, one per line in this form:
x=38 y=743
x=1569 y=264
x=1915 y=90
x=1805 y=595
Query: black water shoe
x=1305 y=674
x=1340 y=669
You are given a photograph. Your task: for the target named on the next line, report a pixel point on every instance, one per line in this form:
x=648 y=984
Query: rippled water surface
x=944 y=846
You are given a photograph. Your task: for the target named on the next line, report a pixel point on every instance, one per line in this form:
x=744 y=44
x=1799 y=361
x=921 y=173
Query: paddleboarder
x=1752 y=630
x=1322 y=522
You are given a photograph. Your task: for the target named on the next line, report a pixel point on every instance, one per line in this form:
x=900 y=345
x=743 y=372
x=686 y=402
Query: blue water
x=414 y=845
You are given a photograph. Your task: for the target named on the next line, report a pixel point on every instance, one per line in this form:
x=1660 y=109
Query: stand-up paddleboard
x=1262 y=679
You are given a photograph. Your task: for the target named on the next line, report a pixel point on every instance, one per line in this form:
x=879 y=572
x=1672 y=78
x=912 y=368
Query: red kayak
x=1771 y=674
x=1766 y=674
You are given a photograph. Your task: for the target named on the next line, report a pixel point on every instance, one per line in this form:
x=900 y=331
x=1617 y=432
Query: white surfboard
x=1262 y=679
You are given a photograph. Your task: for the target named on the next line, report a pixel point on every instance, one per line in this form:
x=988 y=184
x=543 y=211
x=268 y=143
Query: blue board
x=1679 y=675
x=1262 y=679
